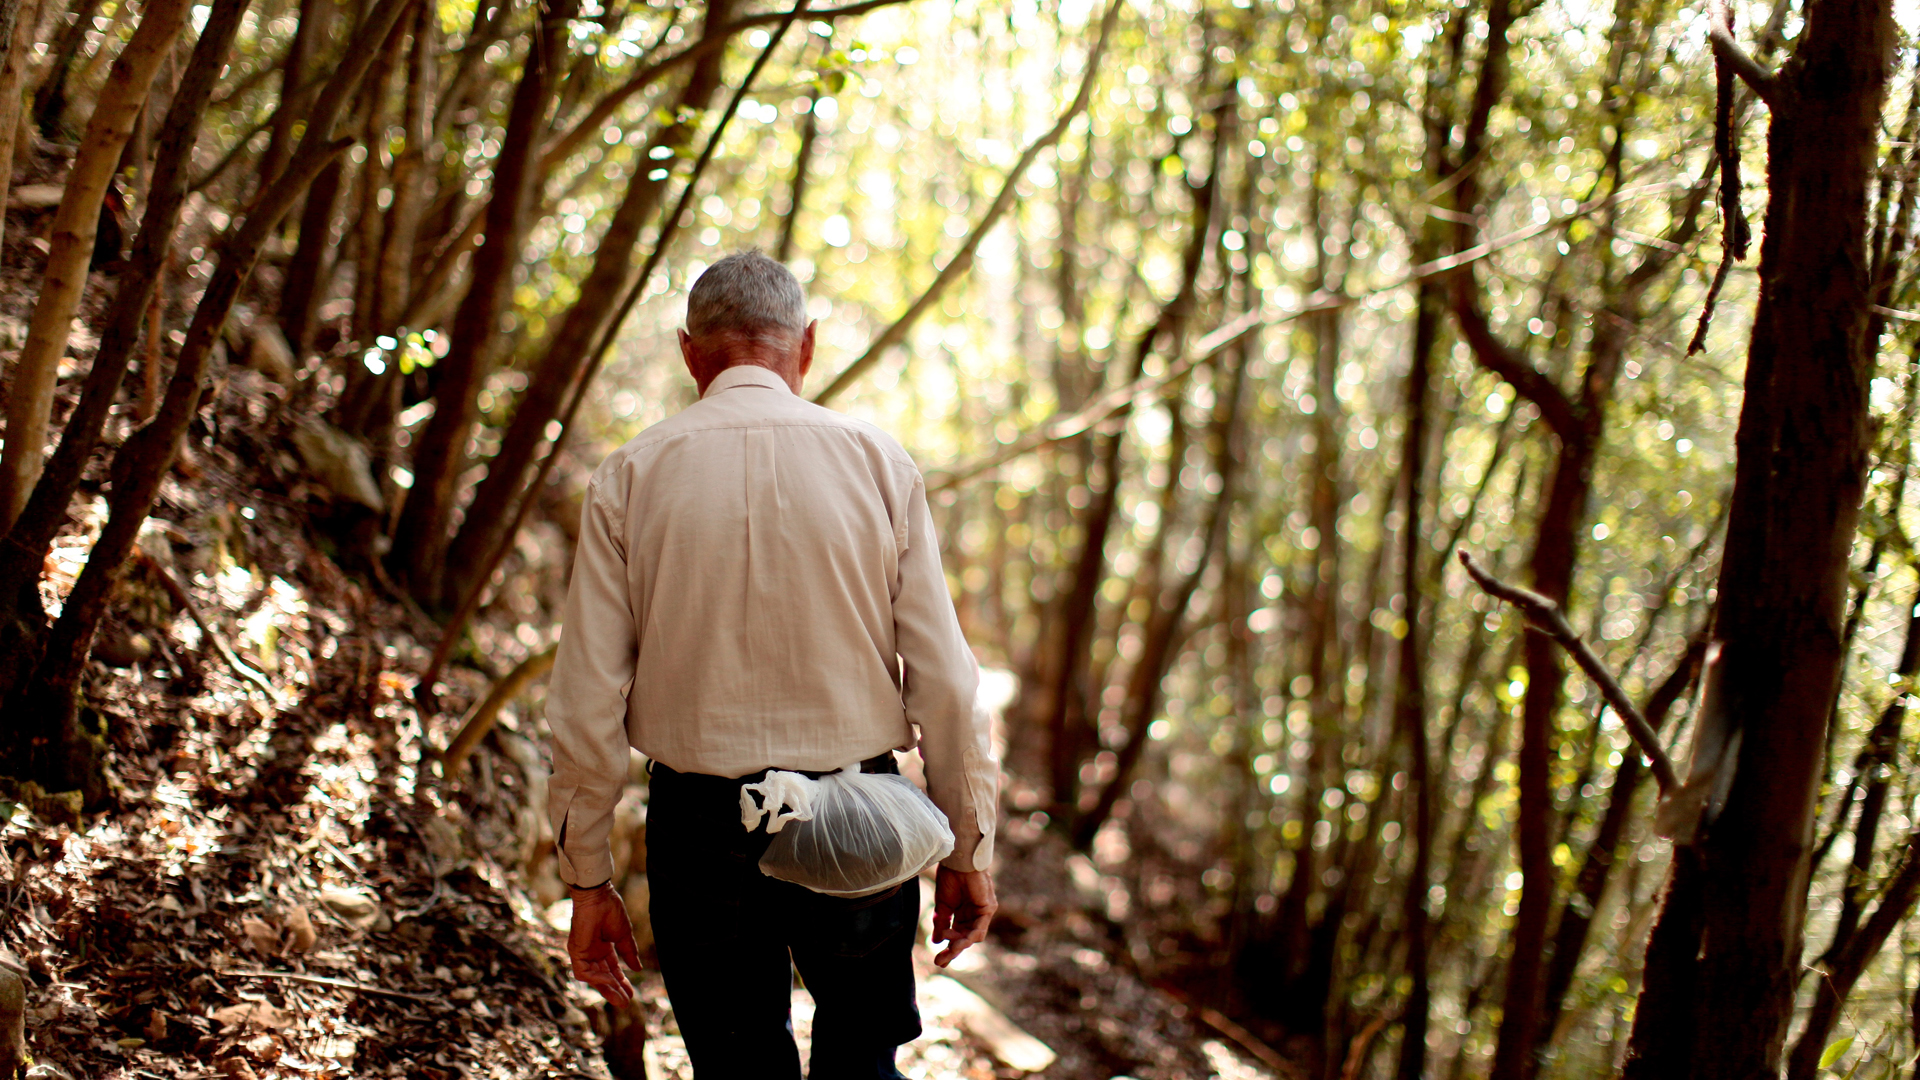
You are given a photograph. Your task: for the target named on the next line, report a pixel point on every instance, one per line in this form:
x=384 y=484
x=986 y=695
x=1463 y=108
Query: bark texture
x=420 y=540
x=1725 y=957
x=30 y=403
x=571 y=347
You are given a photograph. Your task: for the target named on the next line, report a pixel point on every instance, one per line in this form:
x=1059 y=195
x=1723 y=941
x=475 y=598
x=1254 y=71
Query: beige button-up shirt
x=758 y=585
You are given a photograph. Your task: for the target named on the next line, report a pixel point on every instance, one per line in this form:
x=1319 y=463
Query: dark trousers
x=725 y=935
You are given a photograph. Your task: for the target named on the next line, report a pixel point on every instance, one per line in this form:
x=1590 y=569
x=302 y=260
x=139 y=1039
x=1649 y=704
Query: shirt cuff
x=585 y=868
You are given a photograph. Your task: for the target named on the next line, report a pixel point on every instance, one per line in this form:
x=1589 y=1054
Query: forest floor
x=287 y=886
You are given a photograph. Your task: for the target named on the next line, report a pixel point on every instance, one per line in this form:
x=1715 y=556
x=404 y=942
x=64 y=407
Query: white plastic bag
x=848 y=833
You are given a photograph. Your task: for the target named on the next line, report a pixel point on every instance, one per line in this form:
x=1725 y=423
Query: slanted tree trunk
x=47 y=737
x=571 y=348
x=797 y=193
x=421 y=537
x=17 y=19
x=1725 y=956
x=1578 y=911
x=50 y=100
x=1854 y=946
x=1068 y=699
x=35 y=373
x=24 y=552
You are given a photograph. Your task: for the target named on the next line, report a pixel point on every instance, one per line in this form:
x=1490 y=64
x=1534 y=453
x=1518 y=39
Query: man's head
x=747 y=309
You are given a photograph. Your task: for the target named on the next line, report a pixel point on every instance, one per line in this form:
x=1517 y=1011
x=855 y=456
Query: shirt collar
x=745 y=375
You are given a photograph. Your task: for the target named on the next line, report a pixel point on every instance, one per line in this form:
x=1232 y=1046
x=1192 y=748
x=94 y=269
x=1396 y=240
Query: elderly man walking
x=758 y=587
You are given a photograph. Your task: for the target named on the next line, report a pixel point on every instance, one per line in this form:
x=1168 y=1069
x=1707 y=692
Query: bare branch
x=1546 y=616
x=1508 y=363
x=1729 y=52
x=563 y=146
x=963 y=258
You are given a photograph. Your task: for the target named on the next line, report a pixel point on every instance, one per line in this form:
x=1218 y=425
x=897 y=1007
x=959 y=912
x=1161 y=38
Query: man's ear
x=806 y=347
x=691 y=358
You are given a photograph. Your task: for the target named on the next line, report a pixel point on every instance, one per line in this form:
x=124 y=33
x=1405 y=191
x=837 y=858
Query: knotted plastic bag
x=847 y=833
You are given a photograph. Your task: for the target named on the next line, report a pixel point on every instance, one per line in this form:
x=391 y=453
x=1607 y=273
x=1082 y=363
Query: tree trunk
x=1578 y=911
x=310 y=31
x=30 y=402
x=797 y=194
x=24 y=553
x=1067 y=720
x=312 y=265
x=17 y=19
x=1848 y=962
x=420 y=539
x=49 y=737
x=50 y=101
x=1410 y=691
x=1724 y=961
x=571 y=347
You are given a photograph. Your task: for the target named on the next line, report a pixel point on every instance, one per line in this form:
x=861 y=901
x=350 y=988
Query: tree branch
x=603 y=110
x=1728 y=51
x=963 y=258
x=1546 y=616
x=1107 y=405
x=1498 y=357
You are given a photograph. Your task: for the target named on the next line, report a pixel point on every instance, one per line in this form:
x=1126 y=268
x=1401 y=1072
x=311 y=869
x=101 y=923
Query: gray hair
x=746 y=293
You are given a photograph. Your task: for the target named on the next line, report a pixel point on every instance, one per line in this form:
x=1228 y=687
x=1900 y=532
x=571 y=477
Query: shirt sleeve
x=587 y=700
x=939 y=688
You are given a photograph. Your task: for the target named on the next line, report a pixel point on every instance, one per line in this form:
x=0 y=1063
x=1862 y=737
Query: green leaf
x=1834 y=1051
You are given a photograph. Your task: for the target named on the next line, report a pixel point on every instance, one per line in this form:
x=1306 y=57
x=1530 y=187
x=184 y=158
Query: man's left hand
x=963 y=909
x=600 y=939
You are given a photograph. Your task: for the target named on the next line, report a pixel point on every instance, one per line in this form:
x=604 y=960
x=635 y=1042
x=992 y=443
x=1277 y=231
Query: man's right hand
x=963 y=907
x=601 y=937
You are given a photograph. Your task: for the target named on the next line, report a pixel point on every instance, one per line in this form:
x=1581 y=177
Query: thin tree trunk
x=421 y=536
x=1876 y=766
x=30 y=402
x=408 y=178
x=1844 y=967
x=50 y=100
x=24 y=553
x=571 y=347
x=1167 y=628
x=1721 y=970
x=1068 y=719
x=797 y=194
x=1582 y=904
x=310 y=32
x=311 y=268
x=17 y=20
x=1410 y=691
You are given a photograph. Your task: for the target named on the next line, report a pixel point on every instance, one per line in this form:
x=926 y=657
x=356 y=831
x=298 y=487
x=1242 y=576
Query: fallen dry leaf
x=354 y=907
x=257 y=1014
x=299 y=928
x=264 y=939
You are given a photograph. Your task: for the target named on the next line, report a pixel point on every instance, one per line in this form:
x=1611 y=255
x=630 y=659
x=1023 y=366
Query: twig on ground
x=481 y=721
x=1247 y=1041
x=1546 y=616
x=322 y=980
x=179 y=594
